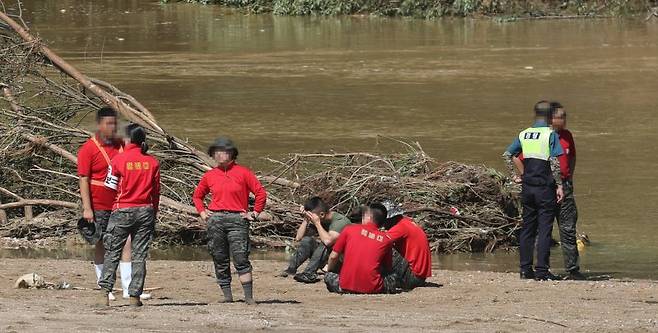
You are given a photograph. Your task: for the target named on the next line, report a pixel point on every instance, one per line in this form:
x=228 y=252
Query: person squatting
x=377 y=250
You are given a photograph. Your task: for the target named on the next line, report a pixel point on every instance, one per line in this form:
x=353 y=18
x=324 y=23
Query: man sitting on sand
x=412 y=259
x=329 y=225
x=367 y=257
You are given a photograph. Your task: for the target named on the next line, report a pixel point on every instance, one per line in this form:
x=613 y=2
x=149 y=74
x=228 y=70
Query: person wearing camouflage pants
x=566 y=219
x=136 y=177
x=407 y=280
x=228 y=215
x=139 y=223
x=228 y=236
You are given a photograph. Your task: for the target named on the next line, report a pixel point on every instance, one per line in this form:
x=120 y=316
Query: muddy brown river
x=462 y=88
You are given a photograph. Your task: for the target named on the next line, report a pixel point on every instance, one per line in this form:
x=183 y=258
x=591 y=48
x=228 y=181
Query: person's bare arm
x=333 y=261
x=328 y=238
x=301 y=231
x=85 y=195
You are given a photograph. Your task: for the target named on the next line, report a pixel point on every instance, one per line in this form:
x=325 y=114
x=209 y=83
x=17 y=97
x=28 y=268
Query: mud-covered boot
x=103 y=299
x=135 y=301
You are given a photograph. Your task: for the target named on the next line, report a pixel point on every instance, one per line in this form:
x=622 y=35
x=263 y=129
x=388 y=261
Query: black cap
x=223 y=144
x=89 y=231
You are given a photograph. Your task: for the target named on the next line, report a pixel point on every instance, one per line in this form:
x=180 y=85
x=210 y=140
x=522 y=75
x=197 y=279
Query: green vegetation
x=440 y=8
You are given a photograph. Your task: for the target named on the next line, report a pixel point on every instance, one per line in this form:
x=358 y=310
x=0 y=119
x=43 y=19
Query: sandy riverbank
x=466 y=301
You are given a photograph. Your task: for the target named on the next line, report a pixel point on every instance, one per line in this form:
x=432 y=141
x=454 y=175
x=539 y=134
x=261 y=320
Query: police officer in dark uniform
x=541 y=191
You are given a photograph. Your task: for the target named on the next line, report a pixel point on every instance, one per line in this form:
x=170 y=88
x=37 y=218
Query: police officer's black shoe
x=576 y=275
x=527 y=275
x=548 y=276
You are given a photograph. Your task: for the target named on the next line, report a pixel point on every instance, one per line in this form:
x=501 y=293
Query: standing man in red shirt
x=228 y=216
x=412 y=259
x=367 y=257
x=568 y=212
x=94 y=158
x=136 y=177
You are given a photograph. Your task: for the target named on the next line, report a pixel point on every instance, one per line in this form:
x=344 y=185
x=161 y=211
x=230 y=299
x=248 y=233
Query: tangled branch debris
x=45 y=100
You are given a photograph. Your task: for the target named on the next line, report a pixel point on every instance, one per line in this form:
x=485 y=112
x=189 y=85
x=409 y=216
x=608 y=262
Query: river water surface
x=461 y=88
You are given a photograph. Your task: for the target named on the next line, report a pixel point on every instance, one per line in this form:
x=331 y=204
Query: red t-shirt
x=365 y=251
x=139 y=179
x=411 y=241
x=230 y=190
x=569 y=148
x=92 y=164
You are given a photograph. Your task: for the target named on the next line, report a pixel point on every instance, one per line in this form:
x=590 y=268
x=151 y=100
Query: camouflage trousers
x=312 y=250
x=407 y=280
x=102 y=218
x=567 y=216
x=228 y=236
x=332 y=280
x=138 y=223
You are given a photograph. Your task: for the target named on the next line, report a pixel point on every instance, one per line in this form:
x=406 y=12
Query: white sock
x=126 y=276
x=99 y=271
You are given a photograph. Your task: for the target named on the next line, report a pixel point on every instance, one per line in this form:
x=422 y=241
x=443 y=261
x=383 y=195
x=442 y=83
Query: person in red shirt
x=136 y=178
x=412 y=259
x=567 y=216
x=94 y=158
x=228 y=217
x=367 y=260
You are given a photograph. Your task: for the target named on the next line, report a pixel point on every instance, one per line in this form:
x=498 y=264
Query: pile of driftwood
x=45 y=100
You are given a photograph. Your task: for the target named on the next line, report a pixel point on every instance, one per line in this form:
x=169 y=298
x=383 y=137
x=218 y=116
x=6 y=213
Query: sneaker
x=576 y=275
x=250 y=301
x=527 y=275
x=110 y=297
x=135 y=301
x=548 y=276
x=307 y=277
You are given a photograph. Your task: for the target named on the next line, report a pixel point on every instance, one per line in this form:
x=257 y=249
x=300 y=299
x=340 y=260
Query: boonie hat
x=221 y=143
x=393 y=209
x=89 y=231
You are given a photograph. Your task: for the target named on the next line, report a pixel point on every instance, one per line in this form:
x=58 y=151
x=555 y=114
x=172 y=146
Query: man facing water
x=541 y=191
x=567 y=215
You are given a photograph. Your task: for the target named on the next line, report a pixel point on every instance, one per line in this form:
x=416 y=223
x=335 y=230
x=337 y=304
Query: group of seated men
x=383 y=251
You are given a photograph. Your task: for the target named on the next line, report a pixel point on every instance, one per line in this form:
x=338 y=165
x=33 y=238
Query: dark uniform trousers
x=138 y=223
x=228 y=236
x=539 y=207
x=312 y=250
x=567 y=217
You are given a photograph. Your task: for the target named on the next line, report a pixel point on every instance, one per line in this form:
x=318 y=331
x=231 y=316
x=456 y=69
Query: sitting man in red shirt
x=367 y=260
x=412 y=259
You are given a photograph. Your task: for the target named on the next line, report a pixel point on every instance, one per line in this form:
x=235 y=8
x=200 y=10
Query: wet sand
x=188 y=302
